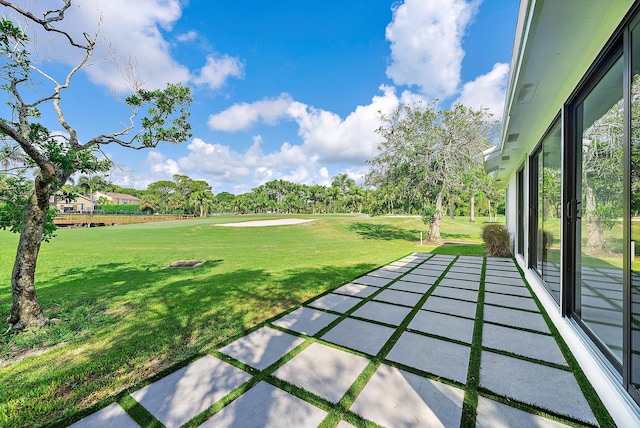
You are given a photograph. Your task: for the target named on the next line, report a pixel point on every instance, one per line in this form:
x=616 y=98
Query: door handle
x=574 y=210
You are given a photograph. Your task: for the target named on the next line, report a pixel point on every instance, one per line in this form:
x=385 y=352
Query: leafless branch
x=50 y=17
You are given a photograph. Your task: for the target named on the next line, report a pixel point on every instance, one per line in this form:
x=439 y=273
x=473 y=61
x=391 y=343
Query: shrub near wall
x=497 y=240
x=117 y=209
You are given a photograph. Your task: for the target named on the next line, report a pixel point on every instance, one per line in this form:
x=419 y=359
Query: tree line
x=184 y=195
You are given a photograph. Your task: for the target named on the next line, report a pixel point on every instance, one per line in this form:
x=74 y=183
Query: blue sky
x=284 y=89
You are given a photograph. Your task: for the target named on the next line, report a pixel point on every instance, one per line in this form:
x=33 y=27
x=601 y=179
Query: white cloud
x=244 y=115
x=426 y=44
x=217 y=70
x=131 y=33
x=189 y=36
x=324 y=134
x=487 y=91
x=224 y=167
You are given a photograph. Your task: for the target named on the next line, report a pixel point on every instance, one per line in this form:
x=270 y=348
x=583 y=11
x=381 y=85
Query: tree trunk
x=472 y=210
x=452 y=206
x=434 y=229
x=596 y=243
x=26 y=310
x=489 y=206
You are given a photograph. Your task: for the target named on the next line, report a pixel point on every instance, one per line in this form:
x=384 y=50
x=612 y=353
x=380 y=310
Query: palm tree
x=9 y=154
x=91 y=184
x=343 y=182
x=202 y=201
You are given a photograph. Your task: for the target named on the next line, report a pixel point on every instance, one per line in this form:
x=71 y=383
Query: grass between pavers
x=597 y=406
x=340 y=411
x=470 y=403
x=472 y=389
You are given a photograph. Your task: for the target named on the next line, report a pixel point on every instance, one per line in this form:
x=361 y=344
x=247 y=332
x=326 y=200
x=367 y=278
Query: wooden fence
x=91 y=220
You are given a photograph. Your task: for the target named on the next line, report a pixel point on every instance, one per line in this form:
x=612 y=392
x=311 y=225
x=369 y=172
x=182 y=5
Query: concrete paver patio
x=419 y=342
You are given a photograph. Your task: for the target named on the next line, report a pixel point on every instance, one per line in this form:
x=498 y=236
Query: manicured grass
x=124 y=318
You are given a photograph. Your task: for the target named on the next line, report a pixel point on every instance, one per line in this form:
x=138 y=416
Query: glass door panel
x=550 y=210
x=635 y=211
x=599 y=225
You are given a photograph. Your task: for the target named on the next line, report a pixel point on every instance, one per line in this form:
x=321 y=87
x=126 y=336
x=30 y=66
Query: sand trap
x=278 y=222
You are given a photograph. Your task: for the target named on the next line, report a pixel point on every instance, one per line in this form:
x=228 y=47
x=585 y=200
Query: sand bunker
x=278 y=222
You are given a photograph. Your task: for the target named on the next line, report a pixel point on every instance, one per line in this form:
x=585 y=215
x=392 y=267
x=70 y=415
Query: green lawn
x=124 y=318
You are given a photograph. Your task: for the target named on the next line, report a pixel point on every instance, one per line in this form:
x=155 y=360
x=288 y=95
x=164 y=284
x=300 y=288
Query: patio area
x=428 y=340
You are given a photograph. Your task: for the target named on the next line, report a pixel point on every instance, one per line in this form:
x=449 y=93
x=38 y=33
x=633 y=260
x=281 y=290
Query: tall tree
x=431 y=150
x=202 y=201
x=155 y=116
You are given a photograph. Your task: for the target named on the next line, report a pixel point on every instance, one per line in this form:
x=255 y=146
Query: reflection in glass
x=599 y=229
x=547 y=194
x=550 y=210
x=635 y=210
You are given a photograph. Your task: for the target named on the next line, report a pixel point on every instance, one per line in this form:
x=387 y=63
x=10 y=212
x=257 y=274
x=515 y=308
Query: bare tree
x=154 y=116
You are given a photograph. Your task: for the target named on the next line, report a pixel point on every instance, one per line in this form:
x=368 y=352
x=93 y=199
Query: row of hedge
x=117 y=209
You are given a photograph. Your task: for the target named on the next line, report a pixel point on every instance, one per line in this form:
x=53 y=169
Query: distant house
x=118 y=198
x=81 y=204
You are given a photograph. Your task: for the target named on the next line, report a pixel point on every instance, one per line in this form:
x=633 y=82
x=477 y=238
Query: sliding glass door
x=597 y=211
x=546 y=209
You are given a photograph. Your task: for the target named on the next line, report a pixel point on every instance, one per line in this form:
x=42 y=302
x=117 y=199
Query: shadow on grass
x=384 y=232
x=153 y=318
x=446 y=235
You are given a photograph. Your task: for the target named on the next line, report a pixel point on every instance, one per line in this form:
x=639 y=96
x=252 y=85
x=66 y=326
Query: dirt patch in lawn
x=185 y=264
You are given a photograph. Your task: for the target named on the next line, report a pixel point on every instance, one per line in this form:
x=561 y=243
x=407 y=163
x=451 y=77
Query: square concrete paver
x=439 y=357
x=463 y=276
x=373 y=280
x=443 y=325
x=473 y=270
x=262 y=348
x=395 y=398
x=394 y=268
x=382 y=312
x=546 y=387
x=306 y=320
x=323 y=370
x=450 y=306
x=264 y=405
x=515 y=302
x=458 y=283
x=492 y=414
x=533 y=345
x=335 y=302
x=512 y=280
x=516 y=318
x=420 y=279
x=113 y=415
x=359 y=335
x=411 y=286
x=507 y=289
x=386 y=273
x=175 y=399
x=456 y=293
x=358 y=290
x=423 y=270
x=399 y=297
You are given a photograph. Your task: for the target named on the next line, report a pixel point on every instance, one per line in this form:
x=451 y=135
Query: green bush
x=117 y=209
x=497 y=240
